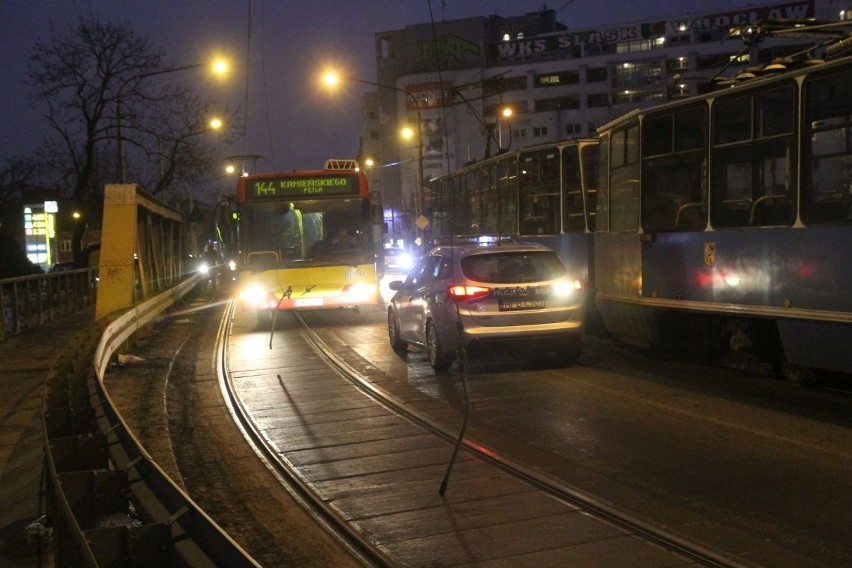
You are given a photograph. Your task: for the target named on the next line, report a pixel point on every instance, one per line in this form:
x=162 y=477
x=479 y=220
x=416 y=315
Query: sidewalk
x=24 y=362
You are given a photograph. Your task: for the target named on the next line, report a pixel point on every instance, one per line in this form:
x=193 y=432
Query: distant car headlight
x=406 y=261
x=232 y=265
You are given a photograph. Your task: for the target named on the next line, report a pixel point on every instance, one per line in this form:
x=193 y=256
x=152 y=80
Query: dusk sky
x=291 y=121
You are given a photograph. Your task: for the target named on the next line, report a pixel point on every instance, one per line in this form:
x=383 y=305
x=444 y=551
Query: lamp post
x=219 y=67
x=332 y=79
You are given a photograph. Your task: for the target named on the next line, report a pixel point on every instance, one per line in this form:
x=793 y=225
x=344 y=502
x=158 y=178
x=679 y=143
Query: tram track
x=284 y=471
x=359 y=544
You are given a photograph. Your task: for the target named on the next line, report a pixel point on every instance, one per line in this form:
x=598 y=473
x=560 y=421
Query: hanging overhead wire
x=247 y=75
x=263 y=67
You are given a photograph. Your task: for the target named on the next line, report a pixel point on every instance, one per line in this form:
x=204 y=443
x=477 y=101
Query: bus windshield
x=306 y=232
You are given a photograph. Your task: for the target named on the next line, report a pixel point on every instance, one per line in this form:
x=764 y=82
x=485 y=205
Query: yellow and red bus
x=308 y=240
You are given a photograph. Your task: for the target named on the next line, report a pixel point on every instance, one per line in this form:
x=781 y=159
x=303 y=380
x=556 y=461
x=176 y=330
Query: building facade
x=451 y=82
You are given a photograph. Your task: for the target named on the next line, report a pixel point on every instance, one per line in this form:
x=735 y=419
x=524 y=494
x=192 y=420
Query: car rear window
x=516 y=266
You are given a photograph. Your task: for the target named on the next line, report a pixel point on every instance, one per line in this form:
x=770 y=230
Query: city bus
x=544 y=193
x=308 y=240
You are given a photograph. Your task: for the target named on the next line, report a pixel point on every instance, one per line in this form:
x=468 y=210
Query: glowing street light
x=218 y=67
x=506 y=113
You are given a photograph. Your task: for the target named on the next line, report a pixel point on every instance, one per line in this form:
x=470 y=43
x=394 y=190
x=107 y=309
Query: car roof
x=465 y=249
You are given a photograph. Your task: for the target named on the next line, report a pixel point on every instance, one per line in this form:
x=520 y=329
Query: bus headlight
x=255 y=296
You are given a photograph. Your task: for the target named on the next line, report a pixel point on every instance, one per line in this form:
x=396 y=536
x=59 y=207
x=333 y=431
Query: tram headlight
x=203 y=268
x=232 y=265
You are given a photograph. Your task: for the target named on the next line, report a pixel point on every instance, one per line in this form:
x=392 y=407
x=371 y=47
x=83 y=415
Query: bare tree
x=103 y=93
x=16 y=176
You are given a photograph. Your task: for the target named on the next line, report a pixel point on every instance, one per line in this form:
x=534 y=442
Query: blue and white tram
x=724 y=221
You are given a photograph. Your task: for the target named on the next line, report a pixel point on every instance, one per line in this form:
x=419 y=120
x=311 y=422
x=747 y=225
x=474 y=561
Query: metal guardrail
x=110 y=503
x=31 y=301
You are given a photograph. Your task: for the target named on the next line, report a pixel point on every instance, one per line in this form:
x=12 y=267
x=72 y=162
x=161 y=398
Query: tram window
x=674 y=192
x=474 y=210
x=573 y=210
x=602 y=202
x=657 y=135
x=486 y=183
x=733 y=120
x=826 y=183
x=691 y=129
x=624 y=180
x=539 y=193
x=507 y=180
x=775 y=111
x=590 y=164
x=752 y=185
x=459 y=216
x=753 y=173
x=827 y=191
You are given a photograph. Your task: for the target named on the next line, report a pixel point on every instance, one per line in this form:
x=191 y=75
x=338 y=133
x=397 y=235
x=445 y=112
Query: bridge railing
x=109 y=502
x=28 y=302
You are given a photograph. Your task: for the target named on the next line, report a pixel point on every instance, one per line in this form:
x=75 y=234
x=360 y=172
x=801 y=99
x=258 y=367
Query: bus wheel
x=438 y=358
x=397 y=344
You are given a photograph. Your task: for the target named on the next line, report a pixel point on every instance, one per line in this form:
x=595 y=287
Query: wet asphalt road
x=665 y=439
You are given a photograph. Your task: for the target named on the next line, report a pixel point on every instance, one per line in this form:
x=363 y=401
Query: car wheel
x=438 y=358
x=397 y=344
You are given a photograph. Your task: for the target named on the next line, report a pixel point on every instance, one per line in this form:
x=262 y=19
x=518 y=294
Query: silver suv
x=459 y=294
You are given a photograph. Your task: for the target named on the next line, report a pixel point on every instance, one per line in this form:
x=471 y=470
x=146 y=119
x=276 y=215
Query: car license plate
x=307 y=302
x=507 y=304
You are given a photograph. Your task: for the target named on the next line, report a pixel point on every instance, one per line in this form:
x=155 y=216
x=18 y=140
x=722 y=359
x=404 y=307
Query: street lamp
x=219 y=67
x=332 y=79
x=506 y=113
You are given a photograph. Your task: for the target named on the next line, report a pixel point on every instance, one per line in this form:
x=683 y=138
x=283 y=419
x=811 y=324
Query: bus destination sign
x=304 y=186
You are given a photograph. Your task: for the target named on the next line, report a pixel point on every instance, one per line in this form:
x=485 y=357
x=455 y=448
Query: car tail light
x=564 y=288
x=466 y=293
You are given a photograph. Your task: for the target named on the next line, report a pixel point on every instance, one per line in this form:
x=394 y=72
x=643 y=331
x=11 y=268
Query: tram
x=724 y=221
x=544 y=194
x=308 y=240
